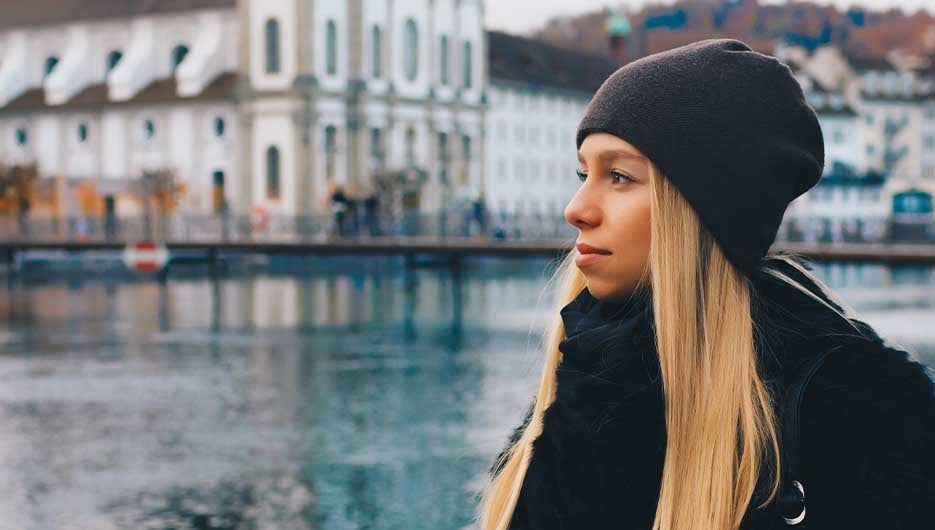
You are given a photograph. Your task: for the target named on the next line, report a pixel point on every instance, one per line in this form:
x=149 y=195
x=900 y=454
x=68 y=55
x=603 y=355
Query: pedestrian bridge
x=418 y=237
x=457 y=248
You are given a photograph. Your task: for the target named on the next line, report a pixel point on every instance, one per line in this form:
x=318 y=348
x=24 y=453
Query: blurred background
x=283 y=263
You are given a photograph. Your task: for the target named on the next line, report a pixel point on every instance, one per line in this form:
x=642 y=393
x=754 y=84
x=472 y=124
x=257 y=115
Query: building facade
x=271 y=103
x=342 y=92
x=98 y=97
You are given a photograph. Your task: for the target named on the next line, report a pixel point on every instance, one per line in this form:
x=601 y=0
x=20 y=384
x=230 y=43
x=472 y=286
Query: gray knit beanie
x=728 y=126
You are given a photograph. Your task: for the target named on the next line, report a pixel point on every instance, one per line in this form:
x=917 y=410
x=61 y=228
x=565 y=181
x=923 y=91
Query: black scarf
x=609 y=385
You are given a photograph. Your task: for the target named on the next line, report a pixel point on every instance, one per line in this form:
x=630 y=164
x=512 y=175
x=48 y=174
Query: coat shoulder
x=867 y=433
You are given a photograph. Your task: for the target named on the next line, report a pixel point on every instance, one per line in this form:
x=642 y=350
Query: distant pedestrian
x=339 y=210
x=372 y=214
x=353 y=213
x=480 y=216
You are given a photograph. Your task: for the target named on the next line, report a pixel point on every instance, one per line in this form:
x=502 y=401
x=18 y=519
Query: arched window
x=376 y=51
x=443 y=155
x=22 y=137
x=331 y=137
x=272 y=172
x=443 y=58
x=178 y=55
x=272 y=46
x=411 y=50
x=376 y=143
x=410 y=146
x=149 y=129
x=331 y=47
x=466 y=147
x=113 y=59
x=50 y=63
x=468 y=68
x=219 y=126
x=82 y=133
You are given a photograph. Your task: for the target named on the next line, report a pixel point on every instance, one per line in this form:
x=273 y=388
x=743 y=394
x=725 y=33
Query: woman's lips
x=585 y=248
x=583 y=260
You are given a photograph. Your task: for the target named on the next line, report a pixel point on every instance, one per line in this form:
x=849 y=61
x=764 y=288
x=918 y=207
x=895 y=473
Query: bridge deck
x=878 y=252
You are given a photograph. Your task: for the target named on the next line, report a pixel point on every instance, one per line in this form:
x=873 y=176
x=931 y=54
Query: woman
x=678 y=336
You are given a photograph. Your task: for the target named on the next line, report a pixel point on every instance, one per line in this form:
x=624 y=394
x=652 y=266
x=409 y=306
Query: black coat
x=867 y=431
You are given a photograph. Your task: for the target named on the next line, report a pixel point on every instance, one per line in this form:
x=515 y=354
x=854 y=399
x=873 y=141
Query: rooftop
x=19 y=13
x=95 y=96
x=522 y=60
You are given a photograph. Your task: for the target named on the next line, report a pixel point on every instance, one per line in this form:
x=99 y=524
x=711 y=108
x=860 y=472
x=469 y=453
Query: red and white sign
x=146 y=256
x=259 y=217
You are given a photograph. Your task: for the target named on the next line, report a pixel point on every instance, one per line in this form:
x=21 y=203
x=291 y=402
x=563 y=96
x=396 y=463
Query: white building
x=339 y=90
x=846 y=200
x=101 y=93
x=876 y=121
x=538 y=94
x=893 y=103
x=270 y=102
x=926 y=77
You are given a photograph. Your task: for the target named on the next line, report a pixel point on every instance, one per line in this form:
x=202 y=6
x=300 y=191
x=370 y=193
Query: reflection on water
x=324 y=394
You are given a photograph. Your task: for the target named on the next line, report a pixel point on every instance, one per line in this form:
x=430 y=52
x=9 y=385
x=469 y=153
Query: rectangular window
x=272 y=46
x=465 y=158
x=331 y=146
x=376 y=52
x=443 y=60
x=443 y=156
x=376 y=143
x=272 y=173
x=466 y=146
x=331 y=47
x=468 y=64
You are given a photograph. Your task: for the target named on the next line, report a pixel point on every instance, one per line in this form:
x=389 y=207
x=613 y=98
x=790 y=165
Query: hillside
x=657 y=27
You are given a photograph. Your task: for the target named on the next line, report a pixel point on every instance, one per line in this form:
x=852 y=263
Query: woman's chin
x=606 y=292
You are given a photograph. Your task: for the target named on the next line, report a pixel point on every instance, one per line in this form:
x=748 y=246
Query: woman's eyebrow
x=613 y=153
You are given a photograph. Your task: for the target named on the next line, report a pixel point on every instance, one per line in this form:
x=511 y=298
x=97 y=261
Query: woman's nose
x=582 y=212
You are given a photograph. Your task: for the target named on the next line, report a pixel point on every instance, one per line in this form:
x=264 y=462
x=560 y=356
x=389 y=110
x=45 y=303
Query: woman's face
x=611 y=211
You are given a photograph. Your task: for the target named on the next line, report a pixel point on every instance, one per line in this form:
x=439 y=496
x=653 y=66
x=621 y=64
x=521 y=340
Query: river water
x=319 y=393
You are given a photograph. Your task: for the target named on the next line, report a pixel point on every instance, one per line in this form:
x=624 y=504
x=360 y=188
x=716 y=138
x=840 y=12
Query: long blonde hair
x=721 y=429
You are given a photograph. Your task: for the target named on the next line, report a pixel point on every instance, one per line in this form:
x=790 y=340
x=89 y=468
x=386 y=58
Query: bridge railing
x=218 y=228
x=274 y=227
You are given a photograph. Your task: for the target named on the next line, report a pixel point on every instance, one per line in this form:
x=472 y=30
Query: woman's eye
x=618 y=176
